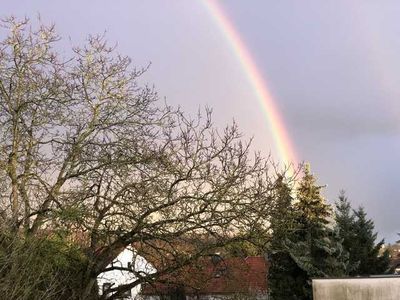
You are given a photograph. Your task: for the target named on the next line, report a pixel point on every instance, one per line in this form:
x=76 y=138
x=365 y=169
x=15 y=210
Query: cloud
x=341 y=124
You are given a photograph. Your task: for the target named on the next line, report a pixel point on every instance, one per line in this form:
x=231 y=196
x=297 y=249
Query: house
x=124 y=263
x=213 y=278
x=394 y=254
x=207 y=277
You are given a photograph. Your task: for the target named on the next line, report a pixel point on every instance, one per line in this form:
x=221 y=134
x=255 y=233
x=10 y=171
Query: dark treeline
x=311 y=239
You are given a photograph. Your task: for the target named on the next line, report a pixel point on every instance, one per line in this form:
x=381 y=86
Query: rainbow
x=286 y=151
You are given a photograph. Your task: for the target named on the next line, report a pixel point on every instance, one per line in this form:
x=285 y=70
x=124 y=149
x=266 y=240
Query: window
x=106 y=286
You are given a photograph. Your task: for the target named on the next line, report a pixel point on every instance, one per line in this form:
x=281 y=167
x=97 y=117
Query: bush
x=39 y=268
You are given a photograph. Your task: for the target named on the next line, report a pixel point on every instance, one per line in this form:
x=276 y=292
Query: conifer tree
x=317 y=248
x=358 y=239
x=311 y=248
x=282 y=213
x=365 y=249
x=285 y=278
x=344 y=224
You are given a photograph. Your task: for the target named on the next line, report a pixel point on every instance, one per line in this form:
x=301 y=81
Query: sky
x=332 y=67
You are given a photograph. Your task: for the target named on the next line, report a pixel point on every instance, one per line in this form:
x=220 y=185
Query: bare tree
x=87 y=150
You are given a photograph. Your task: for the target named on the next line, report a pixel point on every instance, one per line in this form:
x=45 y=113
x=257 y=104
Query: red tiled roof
x=231 y=275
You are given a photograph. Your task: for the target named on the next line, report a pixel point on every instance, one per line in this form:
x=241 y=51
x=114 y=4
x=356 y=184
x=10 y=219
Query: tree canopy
x=359 y=240
x=308 y=247
x=90 y=154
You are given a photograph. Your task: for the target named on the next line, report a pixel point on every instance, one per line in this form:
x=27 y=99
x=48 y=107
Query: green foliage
x=310 y=205
x=365 y=248
x=357 y=233
x=304 y=244
x=344 y=224
x=282 y=213
x=286 y=278
x=39 y=268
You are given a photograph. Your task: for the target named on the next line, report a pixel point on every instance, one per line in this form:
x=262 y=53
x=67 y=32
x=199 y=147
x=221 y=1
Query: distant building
x=394 y=253
x=206 y=278
x=213 y=278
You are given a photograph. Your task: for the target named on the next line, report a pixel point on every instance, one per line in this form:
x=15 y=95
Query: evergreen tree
x=344 y=224
x=317 y=247
x=358 y=239
x=310 y=249
x=282 y=214
x=285 y=278
x=365 y=249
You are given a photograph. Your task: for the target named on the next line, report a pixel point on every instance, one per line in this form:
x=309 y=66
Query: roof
x=215 y=276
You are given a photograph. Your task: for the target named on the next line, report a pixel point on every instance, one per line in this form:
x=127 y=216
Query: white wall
x=118 y=277
x=357 y=289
